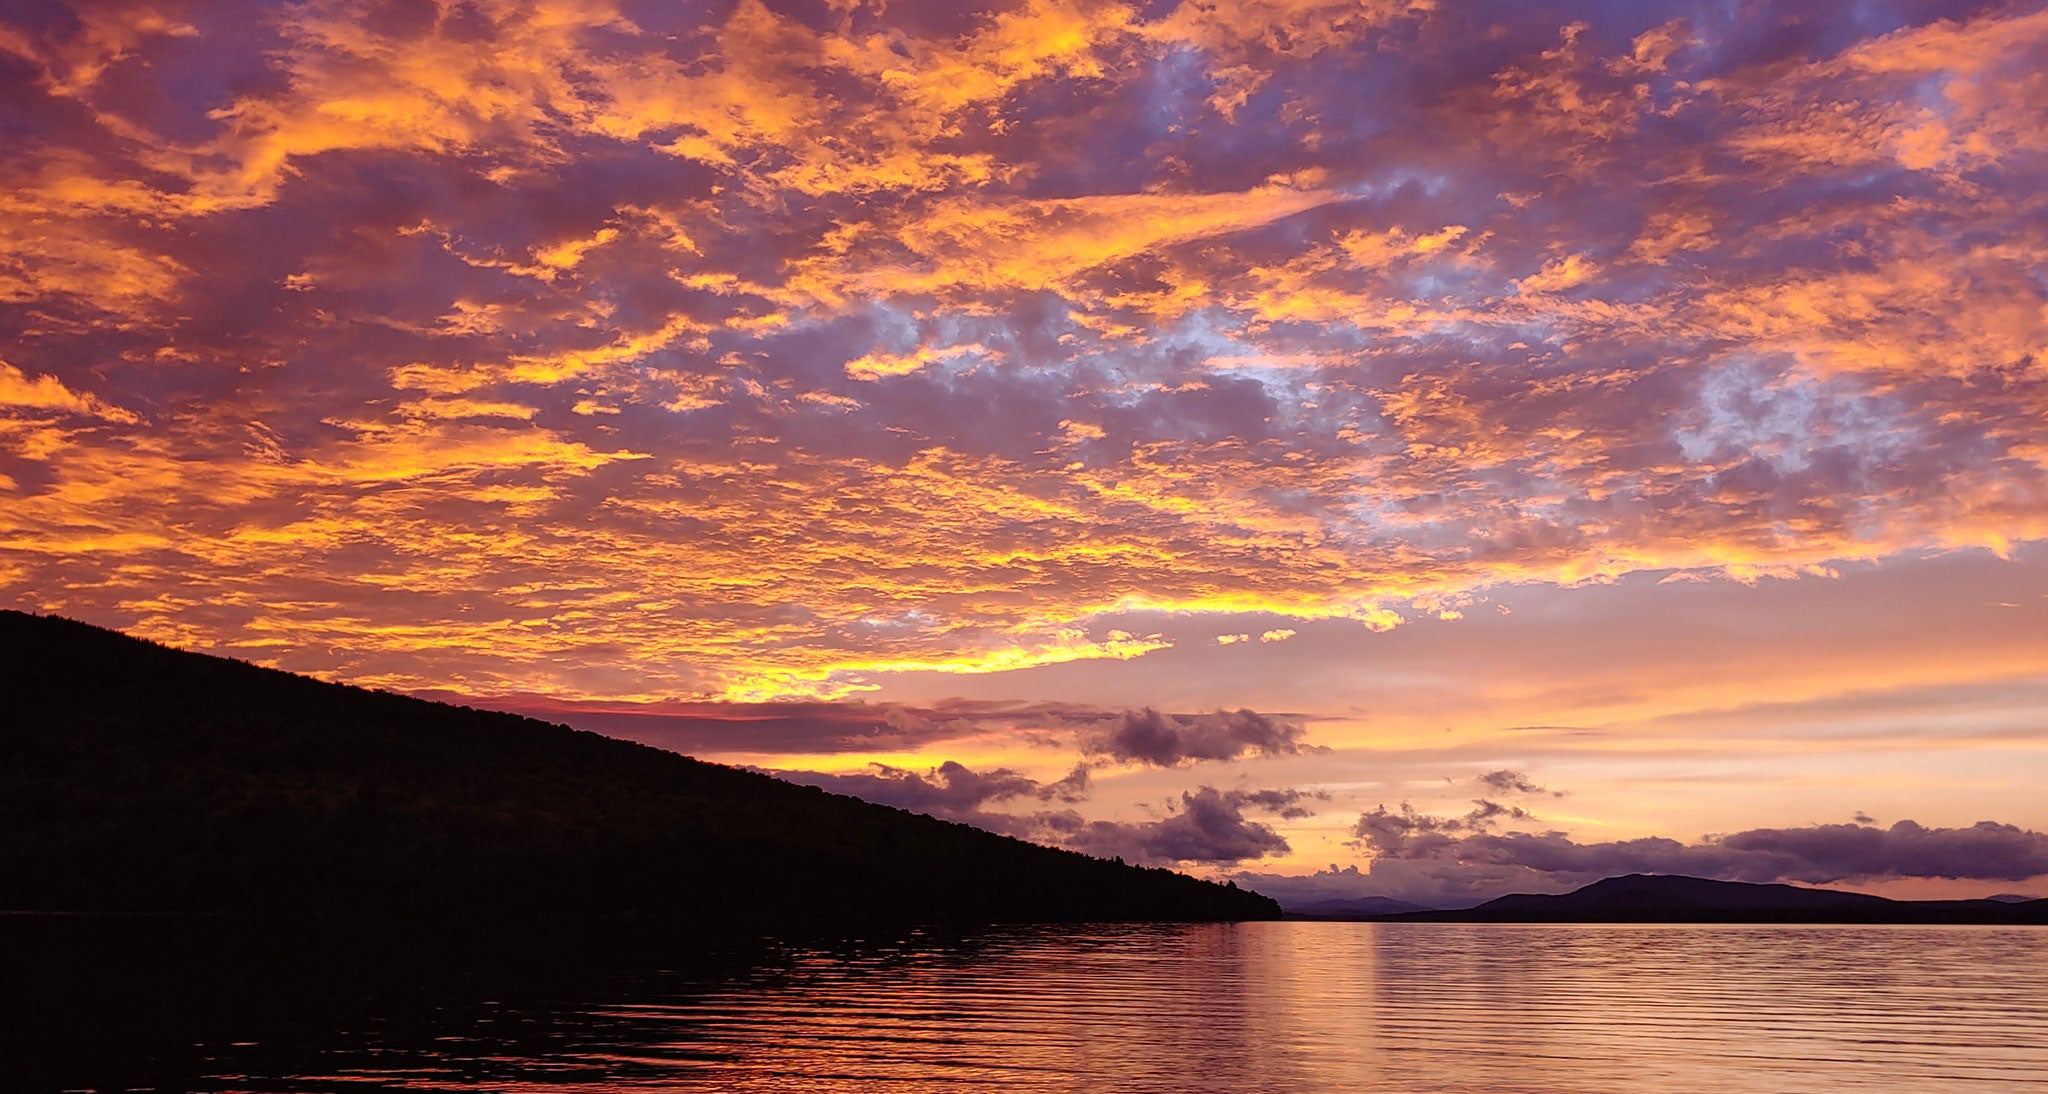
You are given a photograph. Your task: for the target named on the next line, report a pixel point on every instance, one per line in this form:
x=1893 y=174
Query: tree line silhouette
x=137 y=778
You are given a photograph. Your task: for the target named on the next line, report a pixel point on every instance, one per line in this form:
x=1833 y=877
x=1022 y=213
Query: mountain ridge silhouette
x=1676 y=898
x=135 y=778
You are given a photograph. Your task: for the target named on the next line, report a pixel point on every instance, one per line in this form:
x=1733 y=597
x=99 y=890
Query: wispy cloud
x=649 y=357
x=772 y=356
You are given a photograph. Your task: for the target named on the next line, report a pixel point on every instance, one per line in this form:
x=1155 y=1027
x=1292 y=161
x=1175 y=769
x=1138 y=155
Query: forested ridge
x=1673 y=898
x=137 y=778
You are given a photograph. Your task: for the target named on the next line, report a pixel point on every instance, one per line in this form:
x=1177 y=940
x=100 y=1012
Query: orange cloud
x=596 y=352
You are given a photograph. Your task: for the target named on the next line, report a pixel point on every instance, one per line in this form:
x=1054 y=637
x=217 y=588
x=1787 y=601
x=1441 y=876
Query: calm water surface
x=1250 y=1007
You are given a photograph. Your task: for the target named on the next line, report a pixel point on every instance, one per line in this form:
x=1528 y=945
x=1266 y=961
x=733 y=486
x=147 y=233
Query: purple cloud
x=1209 y=826
x=1430 y=858
x=742 y=359
x=1166 y=740
x=951 y=791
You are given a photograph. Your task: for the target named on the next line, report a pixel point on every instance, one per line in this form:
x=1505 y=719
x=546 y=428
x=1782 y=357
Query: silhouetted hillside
x=1668 y=898
x=135 y=778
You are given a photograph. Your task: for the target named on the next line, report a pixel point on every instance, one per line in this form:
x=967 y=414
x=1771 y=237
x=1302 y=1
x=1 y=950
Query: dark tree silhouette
x=136 y=778
x=1671 y=898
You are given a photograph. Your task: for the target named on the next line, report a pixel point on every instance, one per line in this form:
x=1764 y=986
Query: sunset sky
x=1451 y=447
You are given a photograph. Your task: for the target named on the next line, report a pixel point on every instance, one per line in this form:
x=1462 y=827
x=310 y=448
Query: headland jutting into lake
x=140 y=779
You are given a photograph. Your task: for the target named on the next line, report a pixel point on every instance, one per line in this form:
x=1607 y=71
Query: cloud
x=1858 y=852
x=1166 y=740
x=950 y=791
x=758 y=728
x=687 y=373
x=1287 y=804
x=1418 y=855
x=1205 y=826
x=811 y=727
x=1506 y=781
x=1209 y=827
x=26 y=396
x=627 y=354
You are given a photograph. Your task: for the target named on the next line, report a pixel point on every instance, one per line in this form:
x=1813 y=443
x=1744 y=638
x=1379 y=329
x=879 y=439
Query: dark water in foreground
x=1245 y=1007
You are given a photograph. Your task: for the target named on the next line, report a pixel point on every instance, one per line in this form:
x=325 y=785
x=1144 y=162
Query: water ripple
x=1264 y=1007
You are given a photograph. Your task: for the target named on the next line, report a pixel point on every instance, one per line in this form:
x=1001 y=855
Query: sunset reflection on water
x=1295 y=1006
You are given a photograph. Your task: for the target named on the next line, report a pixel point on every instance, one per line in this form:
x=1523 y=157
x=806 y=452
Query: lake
x=1290 y=1006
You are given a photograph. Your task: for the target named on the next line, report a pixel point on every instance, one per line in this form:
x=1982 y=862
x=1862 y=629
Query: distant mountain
x=1363 y=907
x=136 y=778
x=1669 y=898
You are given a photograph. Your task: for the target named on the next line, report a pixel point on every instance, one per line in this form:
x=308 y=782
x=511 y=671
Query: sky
x=1351 y=446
